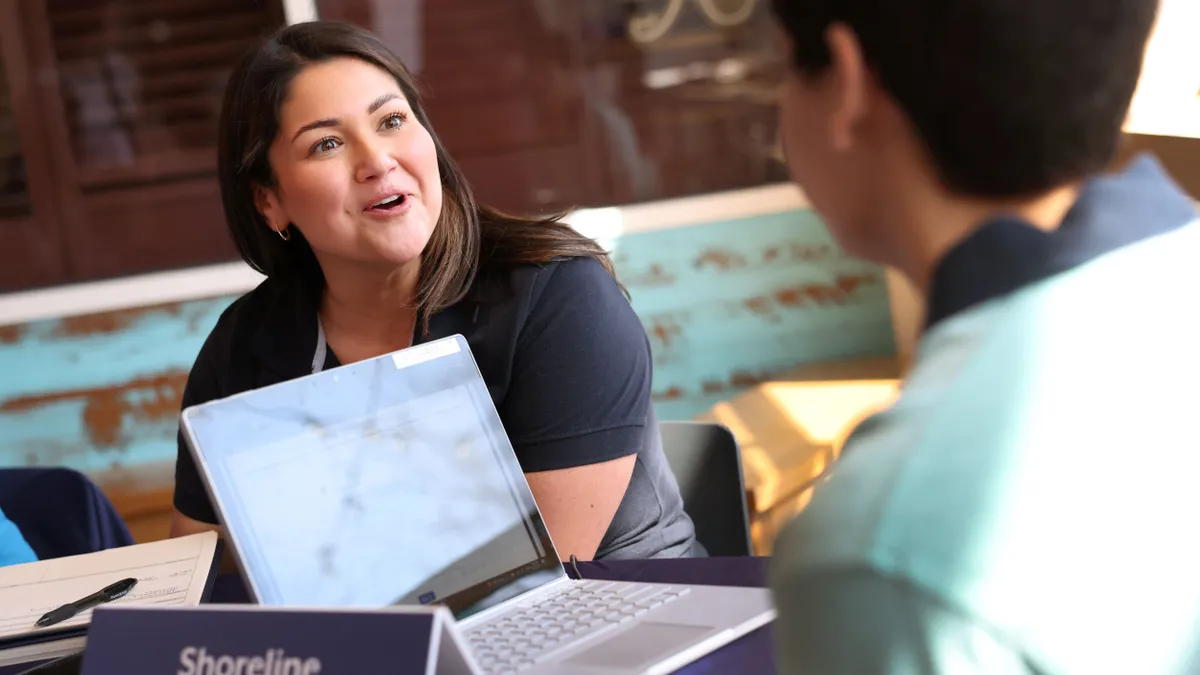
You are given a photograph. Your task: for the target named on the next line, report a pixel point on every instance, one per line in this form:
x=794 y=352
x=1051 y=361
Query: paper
x=169 y=572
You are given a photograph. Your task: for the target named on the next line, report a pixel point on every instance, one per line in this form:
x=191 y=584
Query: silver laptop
x=391 y=481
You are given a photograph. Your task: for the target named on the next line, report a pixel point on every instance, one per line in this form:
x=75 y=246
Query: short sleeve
x=860 y=621
x=580 y=387
x=191 y=499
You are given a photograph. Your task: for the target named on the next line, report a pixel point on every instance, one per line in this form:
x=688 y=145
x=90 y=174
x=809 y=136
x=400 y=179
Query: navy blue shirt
x=565 y=358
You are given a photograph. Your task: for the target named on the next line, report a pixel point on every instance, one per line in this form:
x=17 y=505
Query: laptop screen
x=388 y=481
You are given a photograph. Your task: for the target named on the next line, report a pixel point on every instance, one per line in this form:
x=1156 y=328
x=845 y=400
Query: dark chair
x=60 y=512
x=707 y=463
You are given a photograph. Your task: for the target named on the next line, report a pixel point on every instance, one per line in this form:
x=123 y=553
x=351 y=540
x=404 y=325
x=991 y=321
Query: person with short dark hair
x=336 y=187
x=1026 y=504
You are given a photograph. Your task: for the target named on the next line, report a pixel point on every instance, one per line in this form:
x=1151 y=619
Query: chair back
x=60 y=512
x=707 y=464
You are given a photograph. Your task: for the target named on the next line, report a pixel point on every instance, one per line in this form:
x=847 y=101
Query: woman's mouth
x=389 y=203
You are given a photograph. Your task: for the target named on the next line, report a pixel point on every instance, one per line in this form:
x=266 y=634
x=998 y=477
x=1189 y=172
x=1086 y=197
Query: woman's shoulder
x=233 y=333
x=556 y=281
x=573 y=299
x=245 y=311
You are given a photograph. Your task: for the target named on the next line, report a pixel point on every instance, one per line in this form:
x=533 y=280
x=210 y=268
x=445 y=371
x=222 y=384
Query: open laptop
x=391 y=481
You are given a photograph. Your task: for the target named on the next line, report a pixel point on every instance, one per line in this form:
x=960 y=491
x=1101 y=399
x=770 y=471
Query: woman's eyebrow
x=333 y=121
x=378 y=103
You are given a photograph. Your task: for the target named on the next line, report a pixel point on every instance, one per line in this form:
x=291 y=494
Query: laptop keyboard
x=529 y=635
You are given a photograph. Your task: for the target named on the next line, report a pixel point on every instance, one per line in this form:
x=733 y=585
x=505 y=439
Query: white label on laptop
x=422 y=353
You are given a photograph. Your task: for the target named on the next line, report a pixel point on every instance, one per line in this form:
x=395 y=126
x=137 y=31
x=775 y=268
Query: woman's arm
x=193 y=511
x=578 y=401
x=579 y=503
x=182 y=526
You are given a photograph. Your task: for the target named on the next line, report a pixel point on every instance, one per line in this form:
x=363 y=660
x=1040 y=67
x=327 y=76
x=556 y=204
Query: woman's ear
x=267 y=203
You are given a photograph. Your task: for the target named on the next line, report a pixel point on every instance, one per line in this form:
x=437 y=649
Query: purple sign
x=257 y=640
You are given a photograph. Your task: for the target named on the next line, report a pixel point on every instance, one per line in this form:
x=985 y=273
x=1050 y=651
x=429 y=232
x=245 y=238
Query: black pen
x=107 y=594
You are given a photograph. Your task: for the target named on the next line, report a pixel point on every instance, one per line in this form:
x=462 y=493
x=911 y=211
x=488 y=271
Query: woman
x=336 y=188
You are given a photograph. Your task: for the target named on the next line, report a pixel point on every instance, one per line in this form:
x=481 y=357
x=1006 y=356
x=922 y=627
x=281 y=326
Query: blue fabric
x=14 y=550
x=60 y=512
x=1007 y=254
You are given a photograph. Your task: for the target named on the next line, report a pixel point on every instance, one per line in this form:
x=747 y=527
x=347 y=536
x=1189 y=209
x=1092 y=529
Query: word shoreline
x=197 y=661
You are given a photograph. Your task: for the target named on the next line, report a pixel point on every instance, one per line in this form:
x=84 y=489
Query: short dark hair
x=1011 y=97
x=468 y=235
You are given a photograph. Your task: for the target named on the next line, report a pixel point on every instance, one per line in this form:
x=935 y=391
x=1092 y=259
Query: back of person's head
x=1010 y=98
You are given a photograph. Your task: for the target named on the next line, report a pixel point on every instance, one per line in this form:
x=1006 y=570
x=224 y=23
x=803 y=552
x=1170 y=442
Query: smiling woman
x=336 y=187
x=353 y=173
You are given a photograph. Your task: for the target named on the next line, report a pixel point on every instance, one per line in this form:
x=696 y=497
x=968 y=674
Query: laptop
x=391 y=481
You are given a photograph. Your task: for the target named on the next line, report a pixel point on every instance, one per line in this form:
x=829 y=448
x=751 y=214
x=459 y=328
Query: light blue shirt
x=13 y=547
x=1030 y=504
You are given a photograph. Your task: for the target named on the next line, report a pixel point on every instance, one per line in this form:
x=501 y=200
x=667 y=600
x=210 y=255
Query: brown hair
x=467 y=236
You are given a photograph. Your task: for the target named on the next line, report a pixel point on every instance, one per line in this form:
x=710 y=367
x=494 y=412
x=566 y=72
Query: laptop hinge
x=556 y=586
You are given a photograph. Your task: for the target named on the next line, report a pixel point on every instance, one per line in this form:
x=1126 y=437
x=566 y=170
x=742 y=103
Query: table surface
x=750 y=654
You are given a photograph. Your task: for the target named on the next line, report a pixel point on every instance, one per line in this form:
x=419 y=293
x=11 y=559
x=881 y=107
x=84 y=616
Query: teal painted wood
x=51 y=357
x=724 y=304
x=99 y=392
x=729 y=303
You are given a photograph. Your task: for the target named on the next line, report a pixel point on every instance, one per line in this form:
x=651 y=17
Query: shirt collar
x=286 y=336
x=1007 y=253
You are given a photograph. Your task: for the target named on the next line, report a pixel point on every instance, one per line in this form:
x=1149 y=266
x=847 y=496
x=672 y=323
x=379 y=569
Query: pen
x=106 y=594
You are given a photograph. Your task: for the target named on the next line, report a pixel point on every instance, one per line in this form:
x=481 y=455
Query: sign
x=262 y=640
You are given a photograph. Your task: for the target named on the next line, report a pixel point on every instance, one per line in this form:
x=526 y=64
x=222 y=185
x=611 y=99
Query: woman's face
x=355 y=171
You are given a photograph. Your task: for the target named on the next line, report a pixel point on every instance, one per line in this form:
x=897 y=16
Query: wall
x=728 y=304
x=730 y=287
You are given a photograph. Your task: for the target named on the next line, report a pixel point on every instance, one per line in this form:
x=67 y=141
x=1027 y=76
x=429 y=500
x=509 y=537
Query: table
x=751 y=654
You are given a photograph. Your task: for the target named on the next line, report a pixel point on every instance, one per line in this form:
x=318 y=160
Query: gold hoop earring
x=284 y=234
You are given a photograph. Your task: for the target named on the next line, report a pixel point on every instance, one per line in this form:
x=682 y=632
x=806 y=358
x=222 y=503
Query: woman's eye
x=324 y=145
x=394 y=121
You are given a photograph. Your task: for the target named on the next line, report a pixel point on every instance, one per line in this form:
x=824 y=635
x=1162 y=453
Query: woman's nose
x=375 y=161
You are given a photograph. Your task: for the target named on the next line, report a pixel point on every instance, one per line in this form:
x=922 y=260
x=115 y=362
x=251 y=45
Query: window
x=14 y=191
x=110 y=107
x=552 y=104
x=29 y=245
x=121 y=99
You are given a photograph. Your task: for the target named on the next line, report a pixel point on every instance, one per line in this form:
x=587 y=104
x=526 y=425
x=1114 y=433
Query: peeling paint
x=725 y=306
x=720 y=259
x=148 y=399
x=11 y=334
x=108 y=322
x=107 y=410
x=670 y=394
x=839 y=292
x=655 y=275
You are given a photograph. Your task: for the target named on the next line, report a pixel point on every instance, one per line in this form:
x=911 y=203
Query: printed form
x=168 y=572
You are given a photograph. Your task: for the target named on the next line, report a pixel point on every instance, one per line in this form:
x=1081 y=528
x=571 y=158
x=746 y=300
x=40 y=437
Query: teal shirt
x=1029 y=504
x=13 y=547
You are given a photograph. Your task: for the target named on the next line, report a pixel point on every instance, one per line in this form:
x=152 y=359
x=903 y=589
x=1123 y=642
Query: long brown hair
x=468 y=235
